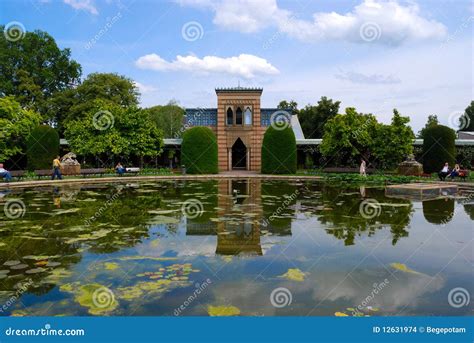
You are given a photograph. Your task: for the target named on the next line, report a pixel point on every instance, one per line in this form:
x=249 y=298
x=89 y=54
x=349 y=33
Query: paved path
x=227 y=175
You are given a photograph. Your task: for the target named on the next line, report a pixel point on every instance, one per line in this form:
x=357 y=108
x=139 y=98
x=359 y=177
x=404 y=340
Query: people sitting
x=120 y=169
x=444 y=172
x=5 y=173
x=455 y=172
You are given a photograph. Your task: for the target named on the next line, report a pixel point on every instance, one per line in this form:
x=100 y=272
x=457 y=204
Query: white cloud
x=381 y=21
x=86 y=5
x=356 y=77
x=244 y=65
x=144 y=89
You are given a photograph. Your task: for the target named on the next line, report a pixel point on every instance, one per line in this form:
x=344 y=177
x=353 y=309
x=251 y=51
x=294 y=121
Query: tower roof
x=238 y=89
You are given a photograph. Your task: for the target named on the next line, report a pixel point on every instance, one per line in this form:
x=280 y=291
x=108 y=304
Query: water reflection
x=246 y=223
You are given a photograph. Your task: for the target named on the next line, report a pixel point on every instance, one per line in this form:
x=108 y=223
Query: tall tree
x=431 y=122
x=34 y=68
x=392 y=143
x=168 y=118
x=108 y=128
x=348 y=136
x=466 y=122
x=16 y=124
x=285 y=105
x=313 y=118
x=74 y=103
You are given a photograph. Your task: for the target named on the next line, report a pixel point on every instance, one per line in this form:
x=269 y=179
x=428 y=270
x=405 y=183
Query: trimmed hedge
x=42 y=147
x=438 y=148
x=279 y=151
x=199 y=151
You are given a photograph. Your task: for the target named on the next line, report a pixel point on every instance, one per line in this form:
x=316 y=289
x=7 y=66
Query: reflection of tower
x=240 y=203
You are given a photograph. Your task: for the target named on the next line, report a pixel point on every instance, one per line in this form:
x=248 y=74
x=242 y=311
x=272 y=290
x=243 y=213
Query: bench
x=19 y=174
x=93 y=171
x=463 y=174
x=43 y=173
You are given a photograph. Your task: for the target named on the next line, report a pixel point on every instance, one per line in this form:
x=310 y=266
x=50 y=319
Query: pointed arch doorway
x=239 y=155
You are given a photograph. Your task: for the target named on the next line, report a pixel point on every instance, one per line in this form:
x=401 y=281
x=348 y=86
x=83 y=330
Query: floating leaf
x=19 y=266
x=35 y=270
x=341 y=314
x=11 y=263
x=97 y=298
x=403 y=267
x=294 y=274
x=223 y=311
x=110 y=265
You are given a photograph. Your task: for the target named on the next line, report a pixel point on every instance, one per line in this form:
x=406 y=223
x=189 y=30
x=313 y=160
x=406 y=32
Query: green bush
x=279 y=151
x=199 y=151
x=438 y=148
x=42 y=147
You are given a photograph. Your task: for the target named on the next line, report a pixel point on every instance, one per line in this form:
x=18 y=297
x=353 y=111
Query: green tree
x=313 y=118
x=33 y=68
x=466 y=122
x=393 y=143
x=199 y=151
x=348 y=135
x=279 y=151
x=438 y=148
x=168 y=118
x=42 y=147
x=16 y=124
x=432 y=121
x=285 y=105
x=72 y=104
x=110 y=128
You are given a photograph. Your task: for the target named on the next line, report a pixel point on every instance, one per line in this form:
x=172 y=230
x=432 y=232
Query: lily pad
x=294 y=274
x=35 y=270
x=19 y=266
x=97 y=298
x=341 y=314
x=110 y=265
x=222 y=311
x=11 y=263
x=403 y=267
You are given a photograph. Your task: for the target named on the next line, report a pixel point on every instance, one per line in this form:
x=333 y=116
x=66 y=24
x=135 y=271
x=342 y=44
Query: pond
x=233 y=247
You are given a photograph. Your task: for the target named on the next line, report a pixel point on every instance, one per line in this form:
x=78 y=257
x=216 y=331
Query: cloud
x=244 y=65
x=86 y=5
x=356 y=77
x=143 y=88
x=380 y=21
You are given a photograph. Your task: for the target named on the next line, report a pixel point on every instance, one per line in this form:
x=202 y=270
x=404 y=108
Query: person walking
x=362 y=168
x=57 y=169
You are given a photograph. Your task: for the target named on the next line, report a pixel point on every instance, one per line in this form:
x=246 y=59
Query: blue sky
x=371 y=54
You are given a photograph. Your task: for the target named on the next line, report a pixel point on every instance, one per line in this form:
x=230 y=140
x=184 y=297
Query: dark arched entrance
x=239 y=155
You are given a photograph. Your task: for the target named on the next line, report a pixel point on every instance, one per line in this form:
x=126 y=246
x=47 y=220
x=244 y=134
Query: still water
x=233 y=247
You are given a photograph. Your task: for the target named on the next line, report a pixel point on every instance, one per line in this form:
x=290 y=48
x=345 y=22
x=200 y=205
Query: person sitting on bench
x=120 y=169
x=444 y=172
x=5 y=173
x=455 y=172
